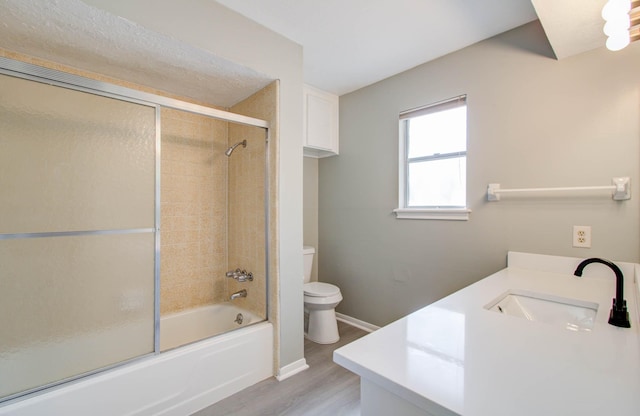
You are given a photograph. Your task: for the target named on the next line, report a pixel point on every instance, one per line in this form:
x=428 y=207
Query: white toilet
x=320 y=301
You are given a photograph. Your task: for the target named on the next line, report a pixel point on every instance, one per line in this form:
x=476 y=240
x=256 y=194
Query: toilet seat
x=320 y=301
x=319 y=289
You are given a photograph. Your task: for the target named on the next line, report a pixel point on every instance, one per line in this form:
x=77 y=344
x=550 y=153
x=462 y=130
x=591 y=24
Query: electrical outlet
x=582 y=236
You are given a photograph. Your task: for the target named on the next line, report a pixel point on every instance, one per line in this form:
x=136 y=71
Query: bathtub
x=199 y=323
x=177 y=382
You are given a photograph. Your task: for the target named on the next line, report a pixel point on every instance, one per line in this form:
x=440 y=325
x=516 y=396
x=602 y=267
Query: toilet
x=320 y=301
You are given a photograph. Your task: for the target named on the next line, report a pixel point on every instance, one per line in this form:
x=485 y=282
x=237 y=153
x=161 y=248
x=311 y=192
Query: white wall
x=222 y=32
x=533 y=121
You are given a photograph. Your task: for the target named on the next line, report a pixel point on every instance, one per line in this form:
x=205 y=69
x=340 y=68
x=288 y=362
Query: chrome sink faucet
x=619 y=316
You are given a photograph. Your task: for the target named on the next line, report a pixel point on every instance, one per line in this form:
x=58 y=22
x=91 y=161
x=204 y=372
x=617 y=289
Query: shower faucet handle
x=240 y=275
x=245 y=276
x=234 y=273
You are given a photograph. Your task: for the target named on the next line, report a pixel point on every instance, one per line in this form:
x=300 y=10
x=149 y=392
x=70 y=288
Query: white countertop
x=456 y=357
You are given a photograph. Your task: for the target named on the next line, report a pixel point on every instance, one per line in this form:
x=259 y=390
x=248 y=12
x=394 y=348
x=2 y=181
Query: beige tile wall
x=193 y=207
x=212 y=222
x=246 y=215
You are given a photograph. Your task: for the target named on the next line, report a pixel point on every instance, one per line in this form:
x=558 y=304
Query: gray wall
x=310 y=209
x=533 y=121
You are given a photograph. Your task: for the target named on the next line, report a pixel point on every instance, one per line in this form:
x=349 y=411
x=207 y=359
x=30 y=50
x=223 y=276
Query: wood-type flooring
x=325 y=388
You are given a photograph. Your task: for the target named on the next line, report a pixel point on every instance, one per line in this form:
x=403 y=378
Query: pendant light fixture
x=619 y=15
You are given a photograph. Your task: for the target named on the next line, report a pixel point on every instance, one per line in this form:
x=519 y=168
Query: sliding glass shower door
x=77 y=233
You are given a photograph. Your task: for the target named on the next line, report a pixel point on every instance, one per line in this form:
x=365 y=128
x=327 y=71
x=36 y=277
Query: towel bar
x=620 y=188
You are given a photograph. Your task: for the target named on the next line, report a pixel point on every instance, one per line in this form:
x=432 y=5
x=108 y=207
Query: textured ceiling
x=75 y=34
x=347 y=44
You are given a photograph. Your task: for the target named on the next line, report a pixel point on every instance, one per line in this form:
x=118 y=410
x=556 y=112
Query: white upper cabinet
x=320 y=123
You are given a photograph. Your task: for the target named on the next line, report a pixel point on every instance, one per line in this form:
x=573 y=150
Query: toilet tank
x=307 y=254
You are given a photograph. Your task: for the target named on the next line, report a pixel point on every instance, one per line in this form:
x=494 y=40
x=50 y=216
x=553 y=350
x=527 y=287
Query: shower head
x=232 y=148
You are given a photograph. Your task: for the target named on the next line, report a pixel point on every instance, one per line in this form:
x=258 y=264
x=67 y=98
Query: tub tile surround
x=455 y=357
x=215 y=203
x=193 y=211
x=246 y=216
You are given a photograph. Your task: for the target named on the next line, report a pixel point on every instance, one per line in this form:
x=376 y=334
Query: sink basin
x=572 y=314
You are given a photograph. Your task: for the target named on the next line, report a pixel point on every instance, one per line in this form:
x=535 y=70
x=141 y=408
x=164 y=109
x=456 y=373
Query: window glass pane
x=437 y=183
x=440 y=132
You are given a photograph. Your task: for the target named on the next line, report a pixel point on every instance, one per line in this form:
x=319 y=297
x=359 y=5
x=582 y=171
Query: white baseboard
x=365 y=326
x=292 y=369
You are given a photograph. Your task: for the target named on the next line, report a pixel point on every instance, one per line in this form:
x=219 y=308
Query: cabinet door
x=321 y=123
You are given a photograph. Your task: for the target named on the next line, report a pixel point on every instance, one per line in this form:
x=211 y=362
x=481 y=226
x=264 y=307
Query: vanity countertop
x=457 y=357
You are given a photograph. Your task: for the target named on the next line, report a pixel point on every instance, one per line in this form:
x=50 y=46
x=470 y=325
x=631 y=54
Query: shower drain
x=239 y=319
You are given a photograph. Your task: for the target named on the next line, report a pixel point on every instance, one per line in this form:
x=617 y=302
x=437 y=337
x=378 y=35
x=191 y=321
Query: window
x=433 y=161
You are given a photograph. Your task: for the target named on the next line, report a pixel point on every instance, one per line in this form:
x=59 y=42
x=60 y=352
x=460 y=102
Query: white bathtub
x=177 y=382
x=199 y=323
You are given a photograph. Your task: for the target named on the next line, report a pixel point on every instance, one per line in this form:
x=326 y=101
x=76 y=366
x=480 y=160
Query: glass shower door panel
x=71 y=305
x=77 y=233
x=71 y=160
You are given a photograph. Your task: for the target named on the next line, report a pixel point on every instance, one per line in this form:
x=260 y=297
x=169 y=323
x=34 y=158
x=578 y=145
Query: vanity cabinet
x=320 y=123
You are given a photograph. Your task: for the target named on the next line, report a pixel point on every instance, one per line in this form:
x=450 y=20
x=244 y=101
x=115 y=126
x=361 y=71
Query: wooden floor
x=323 y=389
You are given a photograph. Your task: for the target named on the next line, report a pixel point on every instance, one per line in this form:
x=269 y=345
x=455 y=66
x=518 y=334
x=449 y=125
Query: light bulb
x=616 y=26
x=615 y=8
x=615 y=43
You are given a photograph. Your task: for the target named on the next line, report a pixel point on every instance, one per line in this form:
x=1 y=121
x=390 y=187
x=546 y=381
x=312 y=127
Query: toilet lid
x=320 y=289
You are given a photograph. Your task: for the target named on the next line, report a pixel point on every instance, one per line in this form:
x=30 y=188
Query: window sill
x=461 y=214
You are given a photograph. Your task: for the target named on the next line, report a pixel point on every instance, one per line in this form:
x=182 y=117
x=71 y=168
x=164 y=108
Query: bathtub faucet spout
x=239 y=294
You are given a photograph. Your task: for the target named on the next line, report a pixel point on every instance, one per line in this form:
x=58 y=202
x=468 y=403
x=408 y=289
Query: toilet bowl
x=320 y=300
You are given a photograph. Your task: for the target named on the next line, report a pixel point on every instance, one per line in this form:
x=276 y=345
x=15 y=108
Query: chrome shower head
x=232 y=148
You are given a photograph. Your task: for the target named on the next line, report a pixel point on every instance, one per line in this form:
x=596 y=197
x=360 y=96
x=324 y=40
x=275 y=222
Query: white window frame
x=425 y=213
